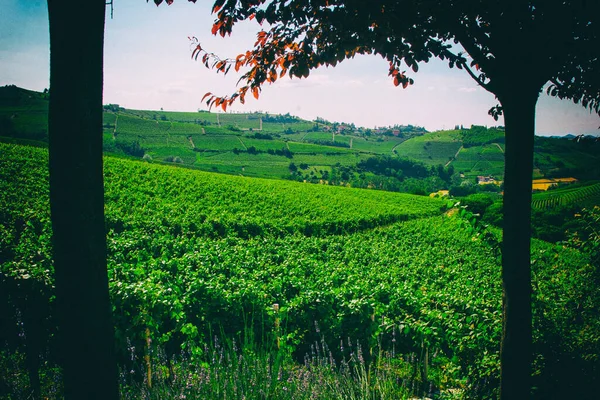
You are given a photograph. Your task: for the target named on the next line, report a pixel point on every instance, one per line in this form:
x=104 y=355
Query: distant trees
x=480 y=135
x=286 y=118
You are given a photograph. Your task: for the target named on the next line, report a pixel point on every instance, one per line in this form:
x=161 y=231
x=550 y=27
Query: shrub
x=174 y=159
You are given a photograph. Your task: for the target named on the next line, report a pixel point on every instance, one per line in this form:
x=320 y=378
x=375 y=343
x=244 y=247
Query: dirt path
x=243 y=145
x=191 y=142
x=454 y=158
x=500 y=147
x=394 y=148
x=115 y=128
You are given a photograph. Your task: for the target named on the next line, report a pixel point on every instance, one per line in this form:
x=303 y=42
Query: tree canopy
x=496 y=42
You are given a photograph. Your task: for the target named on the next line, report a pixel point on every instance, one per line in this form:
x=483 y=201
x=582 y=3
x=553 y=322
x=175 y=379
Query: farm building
x=486 y=180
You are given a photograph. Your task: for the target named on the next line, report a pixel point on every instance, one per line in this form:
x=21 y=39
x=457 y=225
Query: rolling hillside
x=272 y=146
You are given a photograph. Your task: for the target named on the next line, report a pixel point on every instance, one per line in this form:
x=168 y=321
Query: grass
x=432 y=148
x=23 y=114
x=310 y=148
x=242 y=368
x=480 y=160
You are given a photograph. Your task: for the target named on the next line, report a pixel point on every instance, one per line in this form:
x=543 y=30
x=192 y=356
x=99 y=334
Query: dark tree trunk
x=519 y=117
x=85 y=332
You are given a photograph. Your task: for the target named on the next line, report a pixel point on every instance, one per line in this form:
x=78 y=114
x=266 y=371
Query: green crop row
x=579 y=196
x=190 y=252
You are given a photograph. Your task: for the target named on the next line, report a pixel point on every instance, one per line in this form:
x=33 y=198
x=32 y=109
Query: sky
x=147 y=65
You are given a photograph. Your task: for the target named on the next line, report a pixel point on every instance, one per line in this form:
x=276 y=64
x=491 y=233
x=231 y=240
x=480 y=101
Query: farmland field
x=191 y=252
x=432 y=148
x=480 y=160
x=164 y=134
x=581 y=196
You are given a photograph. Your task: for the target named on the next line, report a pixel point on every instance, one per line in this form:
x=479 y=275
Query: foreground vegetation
x=282 y=269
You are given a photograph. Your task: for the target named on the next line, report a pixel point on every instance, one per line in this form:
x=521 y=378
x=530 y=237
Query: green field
x=579 y=196
x=167 y=135
x=191 y=253
x=431 y=148
x=480 y=160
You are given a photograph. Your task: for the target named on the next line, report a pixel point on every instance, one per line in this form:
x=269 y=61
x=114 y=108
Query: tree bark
x=86 y=333
x=516 y=347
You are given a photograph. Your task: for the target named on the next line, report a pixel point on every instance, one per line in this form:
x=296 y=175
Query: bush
x=131 y=148
x=174 y=159
x=463 y=190
x=477 y=203
x=494 y=214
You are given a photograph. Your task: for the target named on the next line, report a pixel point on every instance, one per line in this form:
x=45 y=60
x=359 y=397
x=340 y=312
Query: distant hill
x=23 y=113
x=285 y=146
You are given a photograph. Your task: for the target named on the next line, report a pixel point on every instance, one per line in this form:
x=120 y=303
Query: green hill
x=23 y=114
x=273 y=146
x=432 y=148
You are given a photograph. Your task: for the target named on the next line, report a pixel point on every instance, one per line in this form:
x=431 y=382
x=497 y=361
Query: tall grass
x=266 y=369
x=247 y=367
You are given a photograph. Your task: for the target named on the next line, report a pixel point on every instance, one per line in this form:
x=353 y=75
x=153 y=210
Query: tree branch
x=477 y=79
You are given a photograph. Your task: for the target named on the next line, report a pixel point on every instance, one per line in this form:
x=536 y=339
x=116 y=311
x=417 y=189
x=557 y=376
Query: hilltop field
x=287 y=147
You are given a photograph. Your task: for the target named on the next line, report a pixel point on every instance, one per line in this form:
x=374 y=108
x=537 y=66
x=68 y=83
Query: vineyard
x=580 y=196
x=191 y=253
x=432 y=148
x=222 y=141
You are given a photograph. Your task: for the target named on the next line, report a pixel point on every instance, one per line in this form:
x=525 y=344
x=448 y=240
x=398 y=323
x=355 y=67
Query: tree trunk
x=86 y=333
x=516 y=348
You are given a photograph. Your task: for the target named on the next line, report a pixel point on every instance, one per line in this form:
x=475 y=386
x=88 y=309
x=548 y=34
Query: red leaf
x=224 y=106
x=205 y=96
x=396 y=81
x=255 y=92
x=198 y=49
x=404 y=84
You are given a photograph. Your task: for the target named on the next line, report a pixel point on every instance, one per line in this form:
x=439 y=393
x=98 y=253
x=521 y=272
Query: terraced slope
x=580 y=196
